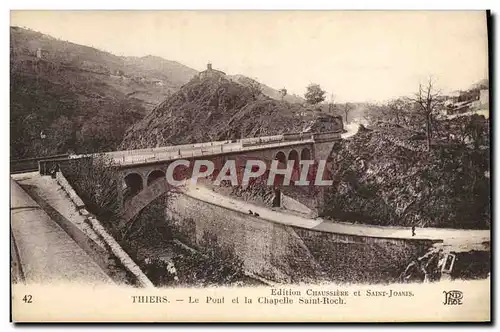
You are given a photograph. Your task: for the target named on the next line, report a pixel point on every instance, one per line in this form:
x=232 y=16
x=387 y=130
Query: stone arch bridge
x=142 y=172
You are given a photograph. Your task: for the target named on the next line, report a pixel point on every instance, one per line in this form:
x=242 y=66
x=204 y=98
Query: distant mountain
x=266 y=90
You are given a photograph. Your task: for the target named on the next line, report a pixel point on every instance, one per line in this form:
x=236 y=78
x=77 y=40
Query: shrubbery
x=379 y=182
x=215 y=266
x=95 y=181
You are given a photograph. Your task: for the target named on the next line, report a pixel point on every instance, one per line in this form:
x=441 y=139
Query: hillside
x=266 y=90
x=384 y=176
x=172 y=73
x=67 y=97
x=129 y=75
x=218 y=109
x=70 y=97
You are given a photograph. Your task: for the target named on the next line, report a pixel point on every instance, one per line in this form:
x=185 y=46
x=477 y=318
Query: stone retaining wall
x=118 y=252
x=290 y=254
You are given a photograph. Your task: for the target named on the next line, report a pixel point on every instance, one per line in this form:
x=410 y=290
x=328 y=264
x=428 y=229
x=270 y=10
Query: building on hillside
x=481 y=101
x=453 y=97
x=209 y=72
x=484 y=97
x=476 y=104
x=40 y=53
x=460 y=107
x=157 y=82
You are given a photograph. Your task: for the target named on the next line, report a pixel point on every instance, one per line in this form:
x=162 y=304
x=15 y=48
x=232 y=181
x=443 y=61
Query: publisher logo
x=453 y=297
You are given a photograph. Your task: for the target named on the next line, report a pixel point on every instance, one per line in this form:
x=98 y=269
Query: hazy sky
x=357 y=55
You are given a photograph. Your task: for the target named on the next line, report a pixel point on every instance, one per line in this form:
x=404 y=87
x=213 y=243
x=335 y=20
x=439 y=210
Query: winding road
x=460 y=238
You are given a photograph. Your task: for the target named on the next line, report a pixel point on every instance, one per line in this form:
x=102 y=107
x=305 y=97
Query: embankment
x=290 y=254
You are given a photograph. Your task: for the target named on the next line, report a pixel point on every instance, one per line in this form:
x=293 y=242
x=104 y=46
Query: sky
x=356 y=55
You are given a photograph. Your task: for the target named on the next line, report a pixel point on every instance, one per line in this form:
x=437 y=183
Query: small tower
x=210 y=72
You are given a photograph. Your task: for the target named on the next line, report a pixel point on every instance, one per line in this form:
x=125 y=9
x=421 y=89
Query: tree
x=62 y=135
x=469 y=130
x=314 y=94
x=331 y=104
x=427 y=104
x=283 y=93
x=216 y=265
x=347 y=109
x=398 y=110
x=95 y=181
x=255 y=88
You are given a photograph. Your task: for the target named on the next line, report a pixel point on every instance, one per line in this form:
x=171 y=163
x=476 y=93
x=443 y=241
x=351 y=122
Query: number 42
x=27 y=299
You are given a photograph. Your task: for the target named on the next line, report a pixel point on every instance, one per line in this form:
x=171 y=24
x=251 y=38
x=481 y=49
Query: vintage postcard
x=250 y=166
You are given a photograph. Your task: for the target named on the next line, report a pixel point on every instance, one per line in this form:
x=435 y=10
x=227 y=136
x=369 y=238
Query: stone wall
x=346 y=258
x=89 y=246
x=264 y=247
x=288 y=254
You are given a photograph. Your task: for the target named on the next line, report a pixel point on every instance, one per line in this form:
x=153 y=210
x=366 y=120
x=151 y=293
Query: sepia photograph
x=250 y=166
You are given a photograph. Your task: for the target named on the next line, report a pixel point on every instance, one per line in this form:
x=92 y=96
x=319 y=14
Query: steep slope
x=266 y=90
x=128 y=75
x=384 y=176
x=171 y=73
x=218 y=109
x=68 y=97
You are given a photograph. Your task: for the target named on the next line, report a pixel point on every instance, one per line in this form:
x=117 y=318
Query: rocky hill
x=216 y=108
x=266 y=90
x=385 y=176
x=66 y=96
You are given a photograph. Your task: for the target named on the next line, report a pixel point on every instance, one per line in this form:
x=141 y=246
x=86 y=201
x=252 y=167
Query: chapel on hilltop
x=210 y=72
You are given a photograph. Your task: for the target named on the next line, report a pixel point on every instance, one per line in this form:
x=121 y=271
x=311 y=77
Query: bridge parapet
x=34 y=164
x=326 y=136
x=170 y=148
x=297 y=136
x=261 y=140
x=127 y=159
x=194 y=146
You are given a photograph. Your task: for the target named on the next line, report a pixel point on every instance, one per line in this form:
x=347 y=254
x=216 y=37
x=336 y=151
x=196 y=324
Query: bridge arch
x=281 y=158
x=294 y=155
x=155 y=175
x=134 y=183
x=305 y=154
